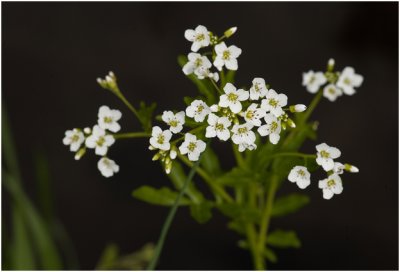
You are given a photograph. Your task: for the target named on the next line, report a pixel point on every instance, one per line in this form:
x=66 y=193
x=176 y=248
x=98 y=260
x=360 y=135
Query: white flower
x=214 y=76
x=332 y=92
x=199 y=36
x=214 y=108
x=331 y=185
x=192 y=147
x=198 y=110
x=107 y=167
x=198 y=64
x=254 y=114
x=271 y=128
x=325 y=156
x=107 y=119
x=227 y=56
x=348 y=79
x=338 y=168
x=298 y=108
x=74 y=138
x=259 y=89
x=218 y=127
x=175 y=121
x=99 y=140
x=301 y=176
x=232 y=98
x=160 y=139
x=313 y=81
x=243 y=136
x=274 y=102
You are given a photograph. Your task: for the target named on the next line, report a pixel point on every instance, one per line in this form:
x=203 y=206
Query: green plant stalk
x=216 y=86
x=214 y=186
x=131 y=135
x=171 y=216
x=119 y=94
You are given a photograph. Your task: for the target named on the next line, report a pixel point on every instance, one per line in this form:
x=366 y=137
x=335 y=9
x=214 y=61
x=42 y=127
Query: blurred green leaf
x=201 y=212
x=108 y=258
x=43 y=186
x=270 y=255
x=145 y=113
x=237 y=226
x=283 y=239
x=289 y=204
x=240 y=177
x=163 y=196
x=239 y=212
x=210 y=162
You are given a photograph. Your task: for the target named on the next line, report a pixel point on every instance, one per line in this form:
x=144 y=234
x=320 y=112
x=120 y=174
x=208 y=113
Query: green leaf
x=210 y=162
x=237 y=226
x=178 y=178
x=238 y=177
x=283 y=239
x=163 y=196
x=289 y=204
x=204 y=86
x=201 y=212
x=145 y=113
x=239 y=212
x=270 y=255
x=108 y=258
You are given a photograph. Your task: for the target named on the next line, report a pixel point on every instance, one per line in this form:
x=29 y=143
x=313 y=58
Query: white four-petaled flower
x=197 y=64
x=301 y=176
x=258 y=89
x=244 y=136
x=160 y=139
x=99 y=140
x=271 y=128
x=331 y=185
x=192 y=147
x=198 y=110
x=199 y=36
x=313 y=81
x=332 y=92
x=232 y=98
x=254 y=114
x=348 y=79
x=218 y=127
x=108 y=119
x=107 y=167
x=175 y=121
x=274 y=102
x=74 y=138
x=227 y=56
x=326 y=155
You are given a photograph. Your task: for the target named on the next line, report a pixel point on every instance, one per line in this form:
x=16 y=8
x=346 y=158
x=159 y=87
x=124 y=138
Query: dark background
x=53 y=53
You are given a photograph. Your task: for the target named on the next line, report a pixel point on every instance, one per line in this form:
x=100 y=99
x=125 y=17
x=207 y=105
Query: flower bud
x=87 y=130
x=230 y=32
x=291 y=123
x=172 y=154
x=331 y=65
x=80 y=153
x=298 y=108
x=156 y=156
x=168 y=167
x=351 y=168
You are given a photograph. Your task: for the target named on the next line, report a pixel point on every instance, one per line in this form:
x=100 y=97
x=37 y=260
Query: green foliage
x=108 y=257
x=239 y=212
x=283 y=239
x=163 y=196
x=210 y=162
x=270 y=255
x=289 y=204
x=201 y=212
x=145 y=113
x=240 y=177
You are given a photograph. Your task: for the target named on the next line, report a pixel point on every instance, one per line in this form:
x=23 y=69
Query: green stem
x=119 y=94
x=170 y=217
x=200 y=128
x=251 y=240
x=214 y=186
x=132 y=135
x=311 y=107
x=216 y=86
x=292 y=154
x=238 y=156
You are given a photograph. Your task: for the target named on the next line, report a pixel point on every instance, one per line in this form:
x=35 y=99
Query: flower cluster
x=325 y=158
x=337 y=83
x=97 y=138
x=238 y=115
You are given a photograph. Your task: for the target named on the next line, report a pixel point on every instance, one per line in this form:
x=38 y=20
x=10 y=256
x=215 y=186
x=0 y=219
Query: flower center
x=273 y=126
x=331 y=90
x=106 y=163
x=74 y=138
x=324 y=154
x=301 y=172
x=173 y=123
x=242 y=130
x=347 y=81
x=273 y=102
x=160 y=139
x=250 y=114
x=192 y=146
x=200 y=108
x=100 y=141
x=198 y=62
x=226 y=55
x=219 y=127
x=108 y=120
x=200 y=37
x=331 y=183
x=312 y=79
x=257 y=87
x=232 y=97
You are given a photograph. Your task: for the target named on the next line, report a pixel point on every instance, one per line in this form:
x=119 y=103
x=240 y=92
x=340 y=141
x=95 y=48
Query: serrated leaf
x=283 y=239
x=289 y=204
x=239 y=212
x=163 y=196
x=201 y=212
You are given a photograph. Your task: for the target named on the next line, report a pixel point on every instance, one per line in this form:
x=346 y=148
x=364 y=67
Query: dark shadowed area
x=53 y=53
